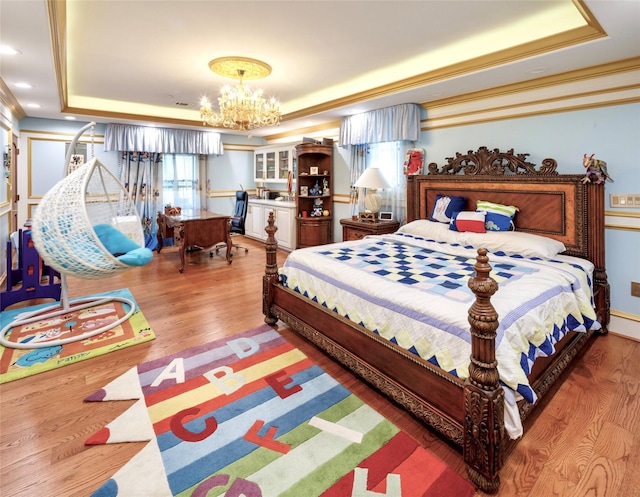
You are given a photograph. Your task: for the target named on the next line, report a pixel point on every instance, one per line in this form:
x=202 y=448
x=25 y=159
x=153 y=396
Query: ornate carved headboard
x=563 y=207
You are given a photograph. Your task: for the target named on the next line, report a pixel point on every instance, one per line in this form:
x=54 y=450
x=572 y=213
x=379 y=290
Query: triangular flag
x=124 y=387
x=144 y=475
x=133 y=425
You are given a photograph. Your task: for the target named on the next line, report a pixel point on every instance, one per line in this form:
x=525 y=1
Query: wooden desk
x=202 y=229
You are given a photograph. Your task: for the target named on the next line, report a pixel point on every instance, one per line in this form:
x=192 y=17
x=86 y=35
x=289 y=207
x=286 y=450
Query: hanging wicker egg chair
x=86 y=226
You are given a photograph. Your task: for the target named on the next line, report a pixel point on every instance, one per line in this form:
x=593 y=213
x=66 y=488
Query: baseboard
x=625 y=325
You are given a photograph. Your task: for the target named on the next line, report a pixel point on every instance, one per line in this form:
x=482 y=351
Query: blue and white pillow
x=445 y=206
x=499 y=217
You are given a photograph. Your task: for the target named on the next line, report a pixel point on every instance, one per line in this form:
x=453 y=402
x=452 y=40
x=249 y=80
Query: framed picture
x=304 y=191
x=385 y=216
x=313 y=170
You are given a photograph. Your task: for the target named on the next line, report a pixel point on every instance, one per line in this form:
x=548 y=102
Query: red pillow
x=468 y=221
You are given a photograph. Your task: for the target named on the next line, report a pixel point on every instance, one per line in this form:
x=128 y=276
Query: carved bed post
x=483 y=437
x=270 y=271
x=595 y=225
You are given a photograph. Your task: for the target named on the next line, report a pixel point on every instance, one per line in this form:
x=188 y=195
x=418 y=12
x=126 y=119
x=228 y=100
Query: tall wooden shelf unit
x=314 y=172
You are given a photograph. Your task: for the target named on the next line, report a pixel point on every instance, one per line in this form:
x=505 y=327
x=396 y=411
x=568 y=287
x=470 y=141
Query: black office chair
x=238 y=219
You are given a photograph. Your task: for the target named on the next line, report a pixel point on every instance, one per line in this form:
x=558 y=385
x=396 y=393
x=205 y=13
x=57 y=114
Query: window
x=389 y=158
x=181 y=181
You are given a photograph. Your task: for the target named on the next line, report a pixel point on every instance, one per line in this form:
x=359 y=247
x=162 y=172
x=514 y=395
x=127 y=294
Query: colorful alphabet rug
x=20 y=363
x=250 y=415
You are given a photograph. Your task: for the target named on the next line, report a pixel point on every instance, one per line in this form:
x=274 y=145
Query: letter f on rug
x=251 y=415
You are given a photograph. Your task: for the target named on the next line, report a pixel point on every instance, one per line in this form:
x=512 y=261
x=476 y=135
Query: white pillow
x=517 y=242
x=432 y=230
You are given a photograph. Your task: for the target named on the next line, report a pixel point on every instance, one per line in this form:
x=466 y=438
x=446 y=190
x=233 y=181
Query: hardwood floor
x=586 y=442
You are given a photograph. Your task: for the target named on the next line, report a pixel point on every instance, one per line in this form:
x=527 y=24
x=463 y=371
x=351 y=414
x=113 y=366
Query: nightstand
x=356 y=230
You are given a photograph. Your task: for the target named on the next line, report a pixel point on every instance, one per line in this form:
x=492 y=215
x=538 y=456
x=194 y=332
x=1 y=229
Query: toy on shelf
x=317 y=207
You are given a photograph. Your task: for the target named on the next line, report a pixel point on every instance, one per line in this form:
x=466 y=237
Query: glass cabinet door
x=283 y=164
x=259 y=166
x=271 y=165
x=294 y=163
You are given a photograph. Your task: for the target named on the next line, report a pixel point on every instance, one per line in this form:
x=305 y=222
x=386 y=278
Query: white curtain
x=397 y=123
x=356 y=168
x=380 y=138
x=389 y=158
x=141 y=175
x=182 y=186
x=121 y=137
x=397 y=194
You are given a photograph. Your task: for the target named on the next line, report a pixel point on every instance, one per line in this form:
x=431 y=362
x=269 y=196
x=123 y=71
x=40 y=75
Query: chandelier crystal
x=240 y=108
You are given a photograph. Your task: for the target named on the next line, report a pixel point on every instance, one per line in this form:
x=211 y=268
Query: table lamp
x=372 y=179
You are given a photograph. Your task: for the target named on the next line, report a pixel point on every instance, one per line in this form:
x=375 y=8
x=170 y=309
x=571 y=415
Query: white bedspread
x=414 y=292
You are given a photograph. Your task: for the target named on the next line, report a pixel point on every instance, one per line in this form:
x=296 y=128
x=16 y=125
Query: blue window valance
x=126 y=138
x=396 y=123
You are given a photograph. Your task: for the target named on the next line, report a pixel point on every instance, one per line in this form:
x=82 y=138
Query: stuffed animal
x=414 y=161
x=595 y=170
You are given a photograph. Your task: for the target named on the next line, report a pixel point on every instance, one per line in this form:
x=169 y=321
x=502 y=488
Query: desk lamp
x=372 y=179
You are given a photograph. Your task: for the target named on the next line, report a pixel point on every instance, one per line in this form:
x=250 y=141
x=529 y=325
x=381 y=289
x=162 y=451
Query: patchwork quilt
x=414 y=292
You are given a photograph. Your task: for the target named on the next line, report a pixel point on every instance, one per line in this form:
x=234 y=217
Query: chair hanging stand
x=74 y=230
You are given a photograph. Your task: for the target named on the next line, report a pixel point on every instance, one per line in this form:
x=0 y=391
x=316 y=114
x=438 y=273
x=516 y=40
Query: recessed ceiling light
x=34 y=106
x=7 y=50
x=23 y=85
x=538 y=70
x=70 y=118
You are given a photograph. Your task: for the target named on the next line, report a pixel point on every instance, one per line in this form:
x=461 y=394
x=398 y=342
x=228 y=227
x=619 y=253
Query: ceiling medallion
x=240 y=108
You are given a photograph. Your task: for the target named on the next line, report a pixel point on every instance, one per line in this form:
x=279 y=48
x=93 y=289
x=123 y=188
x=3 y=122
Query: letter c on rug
x=178 y=428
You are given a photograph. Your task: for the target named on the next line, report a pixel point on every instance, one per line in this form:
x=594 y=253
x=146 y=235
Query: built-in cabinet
x=273 y=163
x=258 y=215
x=314 y=198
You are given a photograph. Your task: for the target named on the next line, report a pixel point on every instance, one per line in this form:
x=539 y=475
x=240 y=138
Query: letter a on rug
x=250 y=415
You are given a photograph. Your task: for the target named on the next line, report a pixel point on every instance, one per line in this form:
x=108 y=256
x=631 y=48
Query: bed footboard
x=474 y=414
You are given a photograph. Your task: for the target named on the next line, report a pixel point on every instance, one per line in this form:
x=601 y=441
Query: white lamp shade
x=371 y=178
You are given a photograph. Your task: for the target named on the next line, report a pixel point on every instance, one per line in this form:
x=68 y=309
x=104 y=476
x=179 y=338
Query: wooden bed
x=470 y=413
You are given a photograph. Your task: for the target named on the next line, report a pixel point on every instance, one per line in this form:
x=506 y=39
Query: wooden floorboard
x=585 y=442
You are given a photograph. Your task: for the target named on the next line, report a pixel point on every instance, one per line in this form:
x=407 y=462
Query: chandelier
x=240 y=108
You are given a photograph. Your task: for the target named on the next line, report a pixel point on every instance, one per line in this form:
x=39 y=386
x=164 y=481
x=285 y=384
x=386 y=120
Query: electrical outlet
x=624 y=200
x=635 y=289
